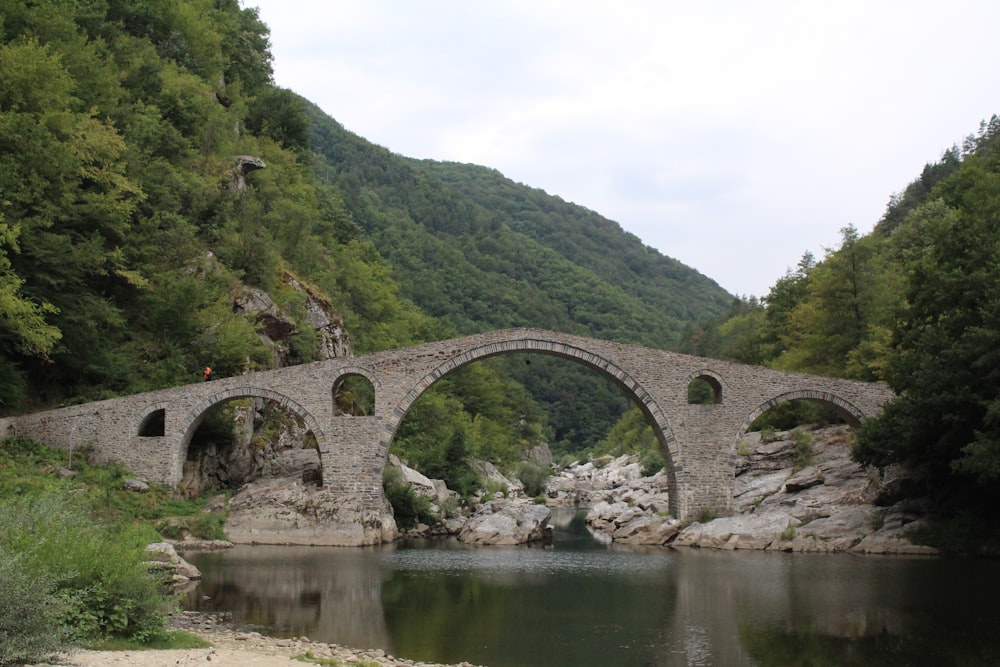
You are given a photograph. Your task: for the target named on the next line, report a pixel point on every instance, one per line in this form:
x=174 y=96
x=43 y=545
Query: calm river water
x=579 y=603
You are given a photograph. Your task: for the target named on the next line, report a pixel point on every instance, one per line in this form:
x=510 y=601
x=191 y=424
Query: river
x=579 y=602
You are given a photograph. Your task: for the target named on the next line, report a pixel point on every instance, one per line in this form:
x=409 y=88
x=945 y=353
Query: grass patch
x=29 y=469
x=315 y=660
x=173 y=640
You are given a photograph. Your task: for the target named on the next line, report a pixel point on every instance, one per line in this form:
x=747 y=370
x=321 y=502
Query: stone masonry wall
x=699 y=441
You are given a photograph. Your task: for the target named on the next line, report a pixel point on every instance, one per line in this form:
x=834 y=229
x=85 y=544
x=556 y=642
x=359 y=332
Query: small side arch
x=850 y=412
x=714 y=382
x=153 y=423
x=355 y=392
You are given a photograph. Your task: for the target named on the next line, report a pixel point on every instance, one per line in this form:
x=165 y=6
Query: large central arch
x=641 y=397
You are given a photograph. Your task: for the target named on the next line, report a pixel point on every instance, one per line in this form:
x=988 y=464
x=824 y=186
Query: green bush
x=30 y=613
x=408 y=506
x=652 y=462
x=803 y=452
x=99 y=570
x=533 y=476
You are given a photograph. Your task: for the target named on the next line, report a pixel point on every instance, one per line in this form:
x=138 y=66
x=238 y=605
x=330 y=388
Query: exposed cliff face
x=802 y=492
x=268 y=443
x=276 y=327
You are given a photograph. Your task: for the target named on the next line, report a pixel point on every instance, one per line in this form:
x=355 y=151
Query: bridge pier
x=705 y=460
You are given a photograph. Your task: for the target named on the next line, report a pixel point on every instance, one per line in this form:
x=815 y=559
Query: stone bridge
x=149 y=433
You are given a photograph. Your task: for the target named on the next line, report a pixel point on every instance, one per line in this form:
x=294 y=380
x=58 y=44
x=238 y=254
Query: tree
x=847 y=297
x=946 y=365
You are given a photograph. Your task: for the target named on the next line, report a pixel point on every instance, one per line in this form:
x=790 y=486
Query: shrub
x=652 y=462
x=408 y=506
x=803 y=452
x=30 y=612
x=533 y=476
x=99 y=571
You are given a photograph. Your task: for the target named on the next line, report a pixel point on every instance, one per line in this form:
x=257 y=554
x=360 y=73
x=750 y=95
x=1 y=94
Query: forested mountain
x=483 y=252
x=129 y=223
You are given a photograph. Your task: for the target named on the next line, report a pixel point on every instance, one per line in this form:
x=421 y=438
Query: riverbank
x=240 y=647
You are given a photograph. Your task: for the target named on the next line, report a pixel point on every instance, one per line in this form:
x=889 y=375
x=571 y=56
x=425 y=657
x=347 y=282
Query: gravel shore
x=239 y=647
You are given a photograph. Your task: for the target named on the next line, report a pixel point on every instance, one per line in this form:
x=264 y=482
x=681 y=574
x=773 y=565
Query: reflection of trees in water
x=326 y=594
x=616 y=606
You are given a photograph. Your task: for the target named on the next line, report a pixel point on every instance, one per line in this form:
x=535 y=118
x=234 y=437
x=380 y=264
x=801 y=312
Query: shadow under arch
x=152 y=421
x=656 y=417
x=201 y=408
x=844 y=408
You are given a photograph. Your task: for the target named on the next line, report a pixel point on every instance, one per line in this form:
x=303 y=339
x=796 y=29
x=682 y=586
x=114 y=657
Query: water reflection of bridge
x=586 y=605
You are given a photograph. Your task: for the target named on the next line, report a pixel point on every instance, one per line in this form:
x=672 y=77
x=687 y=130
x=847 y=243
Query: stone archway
x=640 y=396
x=198 y=412
x=850 y=412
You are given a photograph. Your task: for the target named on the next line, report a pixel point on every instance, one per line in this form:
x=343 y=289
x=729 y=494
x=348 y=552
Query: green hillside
x=127 y=228
x=480 y=251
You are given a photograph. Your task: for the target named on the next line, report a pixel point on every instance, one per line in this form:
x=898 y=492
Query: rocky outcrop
x=162 y=557
x=626 y=523
x=287 y=511
x=792 y=492
x=507 y=522
x=802 y=492
x=494 y=479
x=244 y=165
x=276 y=327
x=334 y=343
x=584 y=484
x=287 y=451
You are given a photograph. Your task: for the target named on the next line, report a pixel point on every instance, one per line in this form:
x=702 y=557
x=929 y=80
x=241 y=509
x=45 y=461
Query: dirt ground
x=233 y=647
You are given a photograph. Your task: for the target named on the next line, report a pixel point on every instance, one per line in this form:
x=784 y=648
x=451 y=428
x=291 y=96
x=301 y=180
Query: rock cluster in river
x=785 y=499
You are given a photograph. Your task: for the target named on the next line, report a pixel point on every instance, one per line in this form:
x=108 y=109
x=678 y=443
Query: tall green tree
x=946 y=367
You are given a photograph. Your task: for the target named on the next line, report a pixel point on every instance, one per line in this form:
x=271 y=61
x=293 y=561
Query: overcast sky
x=730 y=135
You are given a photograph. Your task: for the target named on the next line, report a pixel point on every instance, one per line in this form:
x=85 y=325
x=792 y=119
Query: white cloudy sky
x=731 y=135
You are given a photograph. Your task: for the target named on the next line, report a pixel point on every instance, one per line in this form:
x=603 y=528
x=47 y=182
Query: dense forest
x=127 y=226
